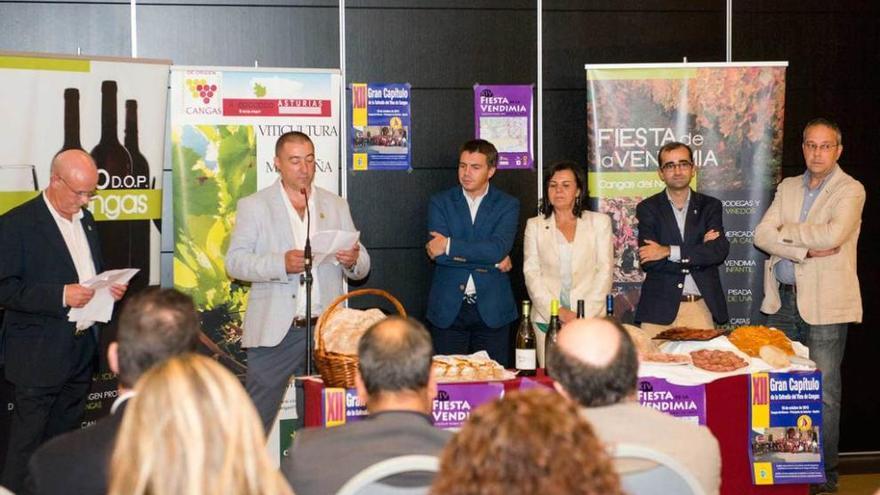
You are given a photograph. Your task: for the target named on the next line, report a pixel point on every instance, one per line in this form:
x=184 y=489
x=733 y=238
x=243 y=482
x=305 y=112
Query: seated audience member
x=526 y=443
x=192 y=430
x=154 y=325
x=597 y=369
x=395 y=381
x=567 y=251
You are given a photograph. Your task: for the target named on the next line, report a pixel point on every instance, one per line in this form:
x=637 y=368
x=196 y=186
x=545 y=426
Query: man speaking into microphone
x=267 y=249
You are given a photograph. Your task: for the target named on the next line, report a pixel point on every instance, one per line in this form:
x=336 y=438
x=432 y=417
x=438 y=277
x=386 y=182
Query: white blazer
x=592 y=263
x=827 y=287
x=261 y=236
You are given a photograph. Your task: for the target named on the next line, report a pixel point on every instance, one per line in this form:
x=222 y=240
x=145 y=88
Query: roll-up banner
x=732 y=117
x=224 y=124
x=113 y=108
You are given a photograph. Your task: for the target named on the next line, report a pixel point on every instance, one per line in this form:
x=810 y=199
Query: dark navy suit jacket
x=664 y=281
x=35 y=265
x=476 y=247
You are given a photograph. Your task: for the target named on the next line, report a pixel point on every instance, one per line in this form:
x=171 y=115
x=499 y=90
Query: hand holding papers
x=328 y=242
x=100 y=307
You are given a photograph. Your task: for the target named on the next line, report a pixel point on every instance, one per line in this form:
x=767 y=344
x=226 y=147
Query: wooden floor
x=859 y=484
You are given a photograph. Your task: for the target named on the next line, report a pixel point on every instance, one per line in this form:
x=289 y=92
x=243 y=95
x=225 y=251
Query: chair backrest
x=669 y=476
x=367 y=481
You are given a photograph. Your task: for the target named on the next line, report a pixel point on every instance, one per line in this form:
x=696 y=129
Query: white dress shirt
x=78 y=247
x=298 y=227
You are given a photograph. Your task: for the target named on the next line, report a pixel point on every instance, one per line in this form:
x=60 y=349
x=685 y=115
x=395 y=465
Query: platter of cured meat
x=684 y=333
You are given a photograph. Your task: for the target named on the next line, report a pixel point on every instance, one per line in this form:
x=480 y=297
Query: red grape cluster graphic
x=200 y=89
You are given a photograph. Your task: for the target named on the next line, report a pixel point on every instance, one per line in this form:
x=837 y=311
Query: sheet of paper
x=100 y=307
x=326 y=243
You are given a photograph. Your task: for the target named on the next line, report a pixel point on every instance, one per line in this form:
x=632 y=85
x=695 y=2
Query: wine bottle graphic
x=114 y=171
x=140 y=172
x=71 y=120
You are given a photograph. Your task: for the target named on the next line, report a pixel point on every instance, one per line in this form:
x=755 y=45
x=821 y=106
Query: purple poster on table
x=455 y=401
x=503 y=116
x=687 y=402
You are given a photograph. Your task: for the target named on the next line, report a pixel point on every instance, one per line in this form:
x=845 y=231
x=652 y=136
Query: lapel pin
x=321 y=215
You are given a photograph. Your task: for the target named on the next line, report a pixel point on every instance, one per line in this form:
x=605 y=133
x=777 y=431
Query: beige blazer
x=827 y=287
x=592 y=263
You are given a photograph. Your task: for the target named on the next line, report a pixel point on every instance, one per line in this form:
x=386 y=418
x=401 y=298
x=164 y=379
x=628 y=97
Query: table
x=727 y=410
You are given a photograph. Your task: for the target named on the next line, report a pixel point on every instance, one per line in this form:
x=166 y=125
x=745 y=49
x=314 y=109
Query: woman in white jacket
x=568 y=251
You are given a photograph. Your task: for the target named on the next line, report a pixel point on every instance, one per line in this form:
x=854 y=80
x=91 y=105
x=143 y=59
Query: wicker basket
x=337 y=369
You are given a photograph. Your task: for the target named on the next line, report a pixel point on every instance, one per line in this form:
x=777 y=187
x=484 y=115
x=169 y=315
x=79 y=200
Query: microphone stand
x=307 y=277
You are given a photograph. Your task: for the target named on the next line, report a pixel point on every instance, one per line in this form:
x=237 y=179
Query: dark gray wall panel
x=573 y=38
x=275 y=36
x=441 y=47
x=61 y=28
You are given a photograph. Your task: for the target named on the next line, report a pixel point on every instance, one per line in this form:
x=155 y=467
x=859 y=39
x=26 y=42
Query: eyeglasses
x=681 y=165
x=82 y=194
x=824 y=147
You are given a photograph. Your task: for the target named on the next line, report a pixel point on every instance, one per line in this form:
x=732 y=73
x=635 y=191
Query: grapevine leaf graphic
x=214 y=166
x=259 y=90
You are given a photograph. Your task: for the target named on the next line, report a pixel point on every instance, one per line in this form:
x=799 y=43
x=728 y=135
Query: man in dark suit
x=681 y=245
x=472 y=228
x=154 y=325
x=395 y=381
x=48 y=246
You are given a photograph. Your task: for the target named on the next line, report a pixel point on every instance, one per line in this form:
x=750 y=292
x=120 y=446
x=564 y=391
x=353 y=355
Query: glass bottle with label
x=526 y=344
x=114 y=172
x=140 y=173
x=71 y=120
x=553 y=327
x=609 y=306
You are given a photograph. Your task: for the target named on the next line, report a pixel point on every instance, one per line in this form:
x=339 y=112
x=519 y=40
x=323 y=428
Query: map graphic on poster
x=731 y=115
x=503 y=116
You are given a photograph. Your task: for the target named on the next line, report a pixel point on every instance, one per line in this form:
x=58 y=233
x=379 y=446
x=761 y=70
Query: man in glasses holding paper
x=48 y=247
x=811 y=288
x=681 y=246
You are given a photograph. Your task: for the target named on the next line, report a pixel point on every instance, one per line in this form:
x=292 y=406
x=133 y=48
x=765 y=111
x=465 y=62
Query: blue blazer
x=664 y=281
x=476 y=248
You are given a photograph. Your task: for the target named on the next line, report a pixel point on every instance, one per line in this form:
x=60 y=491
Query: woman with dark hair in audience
x=526 y=443
x=567 y=251
x=191 y=429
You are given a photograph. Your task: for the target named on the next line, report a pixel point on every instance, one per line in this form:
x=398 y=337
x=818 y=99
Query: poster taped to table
x=785 y=438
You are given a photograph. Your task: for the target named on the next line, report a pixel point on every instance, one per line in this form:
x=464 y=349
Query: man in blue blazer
x=472 y=228
x=681 y=245
x=48 y=247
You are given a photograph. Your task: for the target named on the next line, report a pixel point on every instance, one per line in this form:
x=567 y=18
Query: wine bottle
x=71 y=120
x=581 y=312
x=140 y=173
x=609 y=306
x=526 y=344
x=114 y=171
x=553 y=327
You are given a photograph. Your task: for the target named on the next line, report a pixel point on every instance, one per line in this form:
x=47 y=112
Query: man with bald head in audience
x=394 y=379
x=597 y=367
x=48 y=247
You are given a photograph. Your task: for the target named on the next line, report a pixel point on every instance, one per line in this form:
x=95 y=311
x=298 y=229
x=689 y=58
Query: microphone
x=307 y=250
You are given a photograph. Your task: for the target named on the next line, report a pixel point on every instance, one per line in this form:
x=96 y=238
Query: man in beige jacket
x=811 y=288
